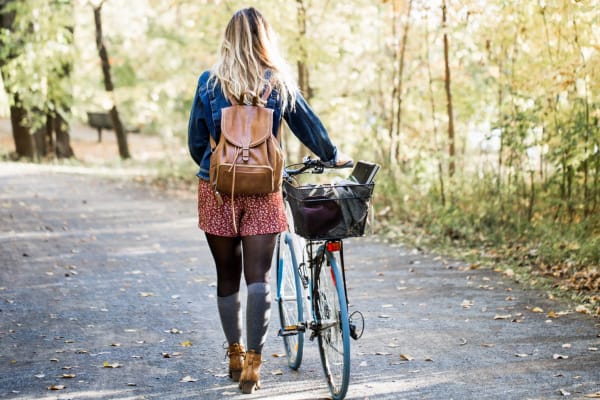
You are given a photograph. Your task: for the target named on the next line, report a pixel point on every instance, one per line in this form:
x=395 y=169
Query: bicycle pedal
x=291 y=330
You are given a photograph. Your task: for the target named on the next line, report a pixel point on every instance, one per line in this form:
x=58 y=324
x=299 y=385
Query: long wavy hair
x=248 y=50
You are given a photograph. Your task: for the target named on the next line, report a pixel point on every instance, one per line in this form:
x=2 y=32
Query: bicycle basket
x=331 y=211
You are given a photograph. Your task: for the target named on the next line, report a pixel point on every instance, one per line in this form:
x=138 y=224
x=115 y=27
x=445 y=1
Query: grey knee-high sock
x=258 y=314
x=230 y=312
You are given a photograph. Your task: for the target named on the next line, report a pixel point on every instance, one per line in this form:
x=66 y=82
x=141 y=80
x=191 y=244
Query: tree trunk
x=433 y=117
x=24 y=146
x=108 y=84
x=303 y=77
x=586 y=168
x=296 y=152
x=62 y=144
x=396 y=122
x=451 y=144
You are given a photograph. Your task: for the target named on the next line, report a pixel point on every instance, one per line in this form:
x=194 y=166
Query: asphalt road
x=107 y=291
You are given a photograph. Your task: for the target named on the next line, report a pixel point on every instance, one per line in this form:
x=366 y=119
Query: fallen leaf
x=406 y=357
x=382 y=353
x=564 y=392
x=278 y=355
x=521 y=355
x=566 y=346
x=537 y=310
x=582 y=309
x=146 y=294
x=277 y=372
x=68 y=376
x=186 y=343
x=559 y=357
x=467 y=303
x=384 y=316
x=173 y=330
x=56 y=387
x=131 y=384
x=187 y=379
x=429 y=359
x=106 y=364
x=592 y=348
x=552 y=314
x=505 y=316
x=593 y=395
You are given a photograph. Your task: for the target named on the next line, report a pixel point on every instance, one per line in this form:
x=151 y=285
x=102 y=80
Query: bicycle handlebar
x=316 y=165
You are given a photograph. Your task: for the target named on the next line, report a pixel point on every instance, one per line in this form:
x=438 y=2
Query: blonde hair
x=249 y=48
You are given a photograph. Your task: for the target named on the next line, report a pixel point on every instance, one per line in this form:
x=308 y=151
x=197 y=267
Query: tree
x=447 y=86
x=35 y=63
x=108 y=84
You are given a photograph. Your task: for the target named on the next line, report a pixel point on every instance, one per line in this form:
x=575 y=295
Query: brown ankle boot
x=236 y=355
x=250 y=379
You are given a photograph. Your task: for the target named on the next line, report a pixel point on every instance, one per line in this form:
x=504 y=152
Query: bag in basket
x=318 y=215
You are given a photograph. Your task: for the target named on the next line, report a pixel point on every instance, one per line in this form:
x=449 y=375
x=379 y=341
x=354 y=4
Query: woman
x=248 y=62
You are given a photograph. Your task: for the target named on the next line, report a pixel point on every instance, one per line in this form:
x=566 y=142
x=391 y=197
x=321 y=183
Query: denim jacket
x=205 y=119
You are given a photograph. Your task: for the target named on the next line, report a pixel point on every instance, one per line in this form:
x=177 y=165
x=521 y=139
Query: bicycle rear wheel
x=334 y=333
x=289 y=299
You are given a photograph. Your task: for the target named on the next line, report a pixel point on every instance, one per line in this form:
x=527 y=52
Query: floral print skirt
x=255 y=214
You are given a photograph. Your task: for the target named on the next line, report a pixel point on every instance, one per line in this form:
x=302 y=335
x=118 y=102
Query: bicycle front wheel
x=331 y=311
x=289 y=300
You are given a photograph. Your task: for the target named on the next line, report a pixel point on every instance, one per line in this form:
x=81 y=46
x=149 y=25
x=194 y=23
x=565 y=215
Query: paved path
x=107 y=288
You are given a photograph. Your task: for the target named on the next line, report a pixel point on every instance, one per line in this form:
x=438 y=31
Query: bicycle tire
x=289 y=298
x=331 y=311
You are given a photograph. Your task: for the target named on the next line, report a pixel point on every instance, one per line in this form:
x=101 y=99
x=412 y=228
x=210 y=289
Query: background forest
x=483 y=113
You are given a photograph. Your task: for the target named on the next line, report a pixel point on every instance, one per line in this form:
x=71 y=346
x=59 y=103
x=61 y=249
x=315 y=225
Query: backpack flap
x=246 y=126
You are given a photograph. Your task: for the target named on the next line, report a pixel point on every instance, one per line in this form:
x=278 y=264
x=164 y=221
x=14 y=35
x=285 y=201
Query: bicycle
x=311 y=278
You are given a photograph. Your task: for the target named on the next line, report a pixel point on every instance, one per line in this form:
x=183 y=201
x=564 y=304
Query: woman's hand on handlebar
x=343 y=161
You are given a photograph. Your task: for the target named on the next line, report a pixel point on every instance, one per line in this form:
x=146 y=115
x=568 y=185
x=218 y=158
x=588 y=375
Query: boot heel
x=235 y=375
x=250 y=379
x=248 y=387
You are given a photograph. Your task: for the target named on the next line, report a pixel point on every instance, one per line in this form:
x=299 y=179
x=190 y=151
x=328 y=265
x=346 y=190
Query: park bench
x=102 y=120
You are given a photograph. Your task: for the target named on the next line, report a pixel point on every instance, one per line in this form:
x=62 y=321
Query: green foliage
x=37 y=56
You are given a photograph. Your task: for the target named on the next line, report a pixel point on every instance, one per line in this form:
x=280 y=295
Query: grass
x=482 y=228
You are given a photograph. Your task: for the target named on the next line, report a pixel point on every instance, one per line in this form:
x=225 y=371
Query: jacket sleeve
x=198 y=132
x=309 y=129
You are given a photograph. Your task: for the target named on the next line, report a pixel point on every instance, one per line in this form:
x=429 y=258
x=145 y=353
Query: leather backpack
x=248 y=158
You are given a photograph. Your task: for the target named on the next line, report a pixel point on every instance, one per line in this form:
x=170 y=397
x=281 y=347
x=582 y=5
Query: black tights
x=254 y=260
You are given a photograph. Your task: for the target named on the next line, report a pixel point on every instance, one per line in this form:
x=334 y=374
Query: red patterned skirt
x=256 y=214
